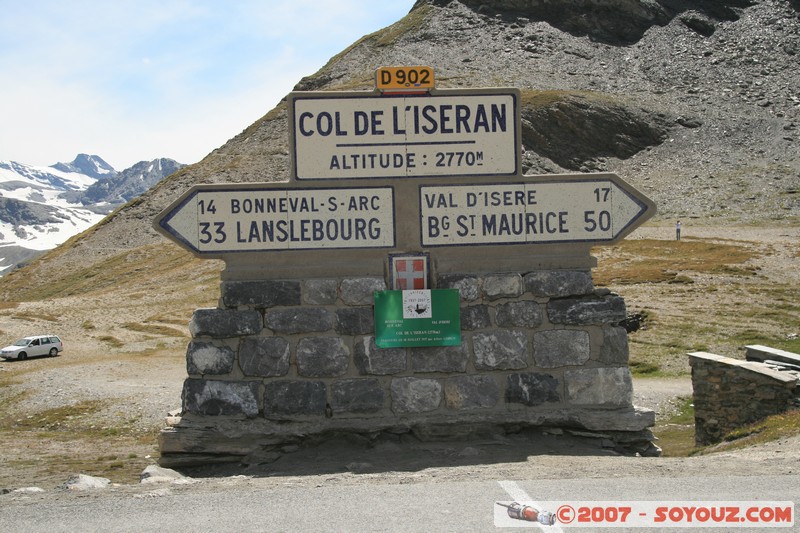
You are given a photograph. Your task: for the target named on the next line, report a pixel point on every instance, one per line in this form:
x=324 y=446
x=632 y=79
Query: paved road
x=247 y=505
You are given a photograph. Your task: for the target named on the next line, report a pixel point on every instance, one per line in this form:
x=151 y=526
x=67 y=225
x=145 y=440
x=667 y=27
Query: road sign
x=370 y=135
x=404 y=78
x=585 y=209
x=214 y=219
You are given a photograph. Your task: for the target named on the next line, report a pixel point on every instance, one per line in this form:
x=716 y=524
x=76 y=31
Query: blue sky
x=135 y=80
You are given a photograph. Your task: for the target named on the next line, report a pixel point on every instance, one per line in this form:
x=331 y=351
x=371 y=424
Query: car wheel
x=53 y=352
x=22 y=356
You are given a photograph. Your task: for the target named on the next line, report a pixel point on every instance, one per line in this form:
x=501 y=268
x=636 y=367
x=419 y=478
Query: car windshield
x=22 y=342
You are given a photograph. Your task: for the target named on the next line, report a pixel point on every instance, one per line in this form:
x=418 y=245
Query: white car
x=33 y=347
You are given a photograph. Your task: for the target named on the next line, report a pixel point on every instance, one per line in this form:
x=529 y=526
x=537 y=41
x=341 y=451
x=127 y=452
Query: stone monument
x=405 y=188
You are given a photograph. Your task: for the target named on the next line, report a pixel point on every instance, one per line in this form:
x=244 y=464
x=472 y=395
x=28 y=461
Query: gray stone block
x=264 y=356
x=299 y=320
x=260 y=294
x=355 y=321
x=158 y=474
x=469 y=287
x=561 y=347
x=360 y=291
x=224 y=323
x=370 y=359
x=532 y=389
x=623 y=419
x=502 y=286
x=500 y=350
x=357 y=396
x=415 y=395
x=471 y=392
x=608 y=309
x=614 y=350
x=320 y=291
x=475 y=317
x=440 y=359
x=292 y=398
x=322 y=357
x=220 y=398
x=559 y=283
x=601 y=387
x=209 y=358
x=525 y=314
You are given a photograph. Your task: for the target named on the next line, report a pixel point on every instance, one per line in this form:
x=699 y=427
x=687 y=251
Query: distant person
x=678 y=230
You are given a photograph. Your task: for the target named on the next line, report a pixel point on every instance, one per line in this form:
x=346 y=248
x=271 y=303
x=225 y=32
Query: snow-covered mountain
x=126 y=185
x=41 y=207
x=41 y=177
x=90 y=165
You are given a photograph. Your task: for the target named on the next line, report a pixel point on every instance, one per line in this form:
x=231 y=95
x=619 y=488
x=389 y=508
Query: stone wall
x=278 y=360
x=730 y=393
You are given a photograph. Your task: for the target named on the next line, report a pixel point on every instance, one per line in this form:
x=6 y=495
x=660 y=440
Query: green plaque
x=417 y=318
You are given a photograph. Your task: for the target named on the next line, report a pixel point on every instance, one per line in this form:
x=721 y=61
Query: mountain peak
x=130 y=183
x=90 y=165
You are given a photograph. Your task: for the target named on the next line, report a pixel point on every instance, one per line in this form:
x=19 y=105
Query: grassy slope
x=700 y=294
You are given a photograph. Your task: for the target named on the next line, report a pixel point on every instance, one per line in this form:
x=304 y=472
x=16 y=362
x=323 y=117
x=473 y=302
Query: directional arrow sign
x=220 y=220
x=216 y=219
x=596 y=210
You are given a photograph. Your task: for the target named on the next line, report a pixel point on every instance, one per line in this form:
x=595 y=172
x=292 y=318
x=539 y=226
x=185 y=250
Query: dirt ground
x=97 y=408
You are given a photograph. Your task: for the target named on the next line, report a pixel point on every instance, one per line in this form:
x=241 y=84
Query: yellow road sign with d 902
x=404 y=78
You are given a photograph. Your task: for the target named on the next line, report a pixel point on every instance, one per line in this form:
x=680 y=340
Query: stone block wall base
x=280 y=363
x=204 y=441
x=730 y=393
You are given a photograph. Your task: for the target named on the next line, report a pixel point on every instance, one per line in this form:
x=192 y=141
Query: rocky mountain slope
x=693 y=103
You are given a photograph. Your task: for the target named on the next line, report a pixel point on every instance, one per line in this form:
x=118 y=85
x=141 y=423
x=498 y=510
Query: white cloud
x=133 y=80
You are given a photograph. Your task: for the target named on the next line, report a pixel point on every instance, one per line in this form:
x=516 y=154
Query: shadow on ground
x=404 y=453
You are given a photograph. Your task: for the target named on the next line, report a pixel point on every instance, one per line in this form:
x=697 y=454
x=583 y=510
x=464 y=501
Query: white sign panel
x=374 y=136
x=221 y=220
x=524 y=213
x=417 y=304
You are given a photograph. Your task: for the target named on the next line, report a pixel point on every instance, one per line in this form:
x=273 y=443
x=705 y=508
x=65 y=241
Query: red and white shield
x=410 y=273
